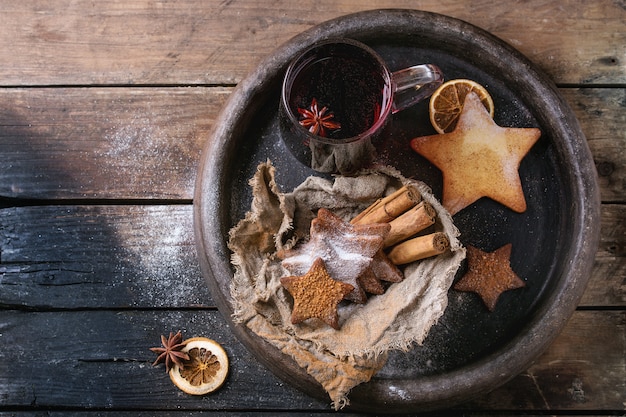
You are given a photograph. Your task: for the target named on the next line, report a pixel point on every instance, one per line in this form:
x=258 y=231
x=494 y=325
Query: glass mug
x=337 y=98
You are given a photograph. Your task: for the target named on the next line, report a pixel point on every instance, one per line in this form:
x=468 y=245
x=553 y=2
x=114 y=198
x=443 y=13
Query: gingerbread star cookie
x=381 y=269
x=479 y=158
x=489 y=274
x=316 y=295
x=347 y=250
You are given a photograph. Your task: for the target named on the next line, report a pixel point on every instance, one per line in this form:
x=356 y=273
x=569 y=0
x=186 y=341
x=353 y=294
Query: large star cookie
x=489 y=274
x=479 y=158
x=347 y=250
x=316 y=295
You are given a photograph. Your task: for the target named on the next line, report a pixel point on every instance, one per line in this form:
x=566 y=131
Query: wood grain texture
x=608 y=285
x=100 y=257
x=145 y=143
x=139 y=143
x=104 y=109
x=199 y=413
x=144 y=257
x=562 y=379
x=108 y=365
x=602 y=116
x=196 y=42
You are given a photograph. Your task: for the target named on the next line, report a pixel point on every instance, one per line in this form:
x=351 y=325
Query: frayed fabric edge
x=245 y=312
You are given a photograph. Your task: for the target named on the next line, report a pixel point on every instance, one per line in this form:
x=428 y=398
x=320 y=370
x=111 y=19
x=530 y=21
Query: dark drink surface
x=352 y=84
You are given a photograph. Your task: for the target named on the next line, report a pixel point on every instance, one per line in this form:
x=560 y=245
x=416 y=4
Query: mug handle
x=414 y=84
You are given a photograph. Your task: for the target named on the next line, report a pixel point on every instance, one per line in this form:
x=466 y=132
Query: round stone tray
x=471 y=350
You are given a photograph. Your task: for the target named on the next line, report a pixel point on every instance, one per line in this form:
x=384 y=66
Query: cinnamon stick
x=410 y=223
x=419 y=248
x=388 y=208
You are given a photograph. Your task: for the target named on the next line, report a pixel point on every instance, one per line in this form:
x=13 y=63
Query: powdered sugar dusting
x=140 y=155
x=163 y=254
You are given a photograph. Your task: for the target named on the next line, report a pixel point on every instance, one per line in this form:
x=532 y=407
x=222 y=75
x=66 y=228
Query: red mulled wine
x=352 y=85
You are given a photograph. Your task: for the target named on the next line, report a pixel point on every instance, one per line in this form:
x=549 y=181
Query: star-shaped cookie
x=316 y=295
x=347 y=250
x=489 y=274
x=479 y=158
x=381 y=269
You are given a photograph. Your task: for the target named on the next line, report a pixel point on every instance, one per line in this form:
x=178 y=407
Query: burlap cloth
x=402 y=316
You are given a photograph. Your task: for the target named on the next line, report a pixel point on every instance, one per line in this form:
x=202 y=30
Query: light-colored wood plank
x=218 y=42
x=106 y=364
x=138 y=143
x=602 y=116
x=607 y=286
x=145 y=257
x=145 y=143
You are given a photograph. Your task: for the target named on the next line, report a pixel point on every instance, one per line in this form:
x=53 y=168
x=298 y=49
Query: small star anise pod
x=316 y=120
x=170 y=353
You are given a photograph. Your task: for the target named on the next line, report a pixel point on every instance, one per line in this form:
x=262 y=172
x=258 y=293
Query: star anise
x=170 y=353
x=318 y=120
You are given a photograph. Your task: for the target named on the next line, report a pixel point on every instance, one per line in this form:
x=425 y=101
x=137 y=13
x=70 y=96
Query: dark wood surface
x=104 y=109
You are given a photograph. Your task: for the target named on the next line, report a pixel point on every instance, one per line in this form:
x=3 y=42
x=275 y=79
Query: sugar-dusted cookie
x=479 y=158
x=316 y=295
x=347 y=250
x=489 y=274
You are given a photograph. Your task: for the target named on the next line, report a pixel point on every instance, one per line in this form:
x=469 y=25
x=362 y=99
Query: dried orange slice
x=206 y=369
x=446 y=102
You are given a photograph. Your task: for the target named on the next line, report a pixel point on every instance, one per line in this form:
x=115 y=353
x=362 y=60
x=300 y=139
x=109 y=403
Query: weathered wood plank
x=145 y=257
x=602 y=116
x=298 y=413
x=216 y=42
x=238 y=413
x=607 y=286
x=100 y=257
x=184 y=413
x=562 y=379
x=129 y=272
x=144 y=143
x=106 y=364
x=100 y=359
x=140 y=143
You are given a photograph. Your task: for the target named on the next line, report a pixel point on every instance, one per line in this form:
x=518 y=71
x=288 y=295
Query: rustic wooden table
x=104 y=108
